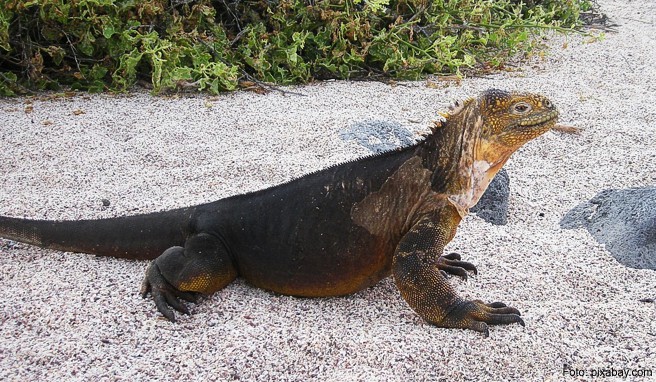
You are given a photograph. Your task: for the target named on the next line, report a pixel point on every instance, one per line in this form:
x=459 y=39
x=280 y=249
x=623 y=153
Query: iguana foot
x=477 y=315
x=164 y=294
x=202 y=266
x=451 y=264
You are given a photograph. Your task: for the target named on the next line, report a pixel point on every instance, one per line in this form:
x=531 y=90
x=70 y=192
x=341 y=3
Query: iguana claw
x=477 y=315
x=451 y=264
x=164 y=294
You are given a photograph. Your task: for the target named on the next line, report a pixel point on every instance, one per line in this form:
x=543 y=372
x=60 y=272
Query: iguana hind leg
x=417 y=271
x=202 y=266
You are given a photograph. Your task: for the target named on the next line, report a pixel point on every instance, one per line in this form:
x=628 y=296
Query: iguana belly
x=321 y=268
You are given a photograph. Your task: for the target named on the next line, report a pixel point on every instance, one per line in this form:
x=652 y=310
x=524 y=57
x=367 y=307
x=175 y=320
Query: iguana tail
x=131 y=237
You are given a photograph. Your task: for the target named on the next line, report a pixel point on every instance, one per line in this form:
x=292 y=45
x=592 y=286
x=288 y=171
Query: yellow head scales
x=514 y=118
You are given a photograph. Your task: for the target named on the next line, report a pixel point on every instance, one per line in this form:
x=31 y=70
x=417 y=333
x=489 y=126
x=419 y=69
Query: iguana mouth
x=539 y=119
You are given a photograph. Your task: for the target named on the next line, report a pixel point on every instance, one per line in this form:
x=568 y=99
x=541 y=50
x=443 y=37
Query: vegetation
x=98 y=45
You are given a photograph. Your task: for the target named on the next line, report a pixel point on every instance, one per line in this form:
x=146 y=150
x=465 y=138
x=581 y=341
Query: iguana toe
x=500 y=308
x=164 y=294
x=477 y=315
x=451 y=264
x=452 y=256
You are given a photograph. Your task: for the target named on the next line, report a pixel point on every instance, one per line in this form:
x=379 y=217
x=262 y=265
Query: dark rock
x=624 y=221
x=493 y=205
x=379 y=136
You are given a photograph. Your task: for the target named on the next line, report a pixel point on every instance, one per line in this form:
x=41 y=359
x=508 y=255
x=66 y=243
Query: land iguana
x=333 y=232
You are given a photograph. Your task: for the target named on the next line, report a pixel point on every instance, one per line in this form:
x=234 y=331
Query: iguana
x=332 y=232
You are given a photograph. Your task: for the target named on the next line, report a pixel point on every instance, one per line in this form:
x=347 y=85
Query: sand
x=66 y=316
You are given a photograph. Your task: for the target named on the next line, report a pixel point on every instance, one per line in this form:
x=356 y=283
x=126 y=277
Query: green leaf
x=5 y=19
x=86 y=44
x=108 y=31
x=7 y=81
x=97 y=72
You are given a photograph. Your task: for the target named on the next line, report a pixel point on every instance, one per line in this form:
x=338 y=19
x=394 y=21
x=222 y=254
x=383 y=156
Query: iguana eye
x=522 y=107
x=546 y=103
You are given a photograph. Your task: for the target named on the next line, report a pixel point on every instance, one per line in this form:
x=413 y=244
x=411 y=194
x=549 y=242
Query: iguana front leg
x=417 y=269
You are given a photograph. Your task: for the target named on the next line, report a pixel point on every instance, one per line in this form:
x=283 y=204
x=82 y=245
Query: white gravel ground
x=70 y=316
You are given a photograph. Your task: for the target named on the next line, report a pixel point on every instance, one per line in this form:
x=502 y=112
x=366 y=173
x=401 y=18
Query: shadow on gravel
x=380 y=136
x=624 y=221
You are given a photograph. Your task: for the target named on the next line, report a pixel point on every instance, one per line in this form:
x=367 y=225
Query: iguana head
x=511 y=119
x=507 y=119
x=484 y=131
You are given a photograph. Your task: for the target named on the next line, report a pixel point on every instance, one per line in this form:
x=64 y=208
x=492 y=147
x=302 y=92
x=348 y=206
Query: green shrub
x=98 y=45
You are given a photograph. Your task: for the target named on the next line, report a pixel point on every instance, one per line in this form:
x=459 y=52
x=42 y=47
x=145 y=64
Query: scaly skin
x=333 y=232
